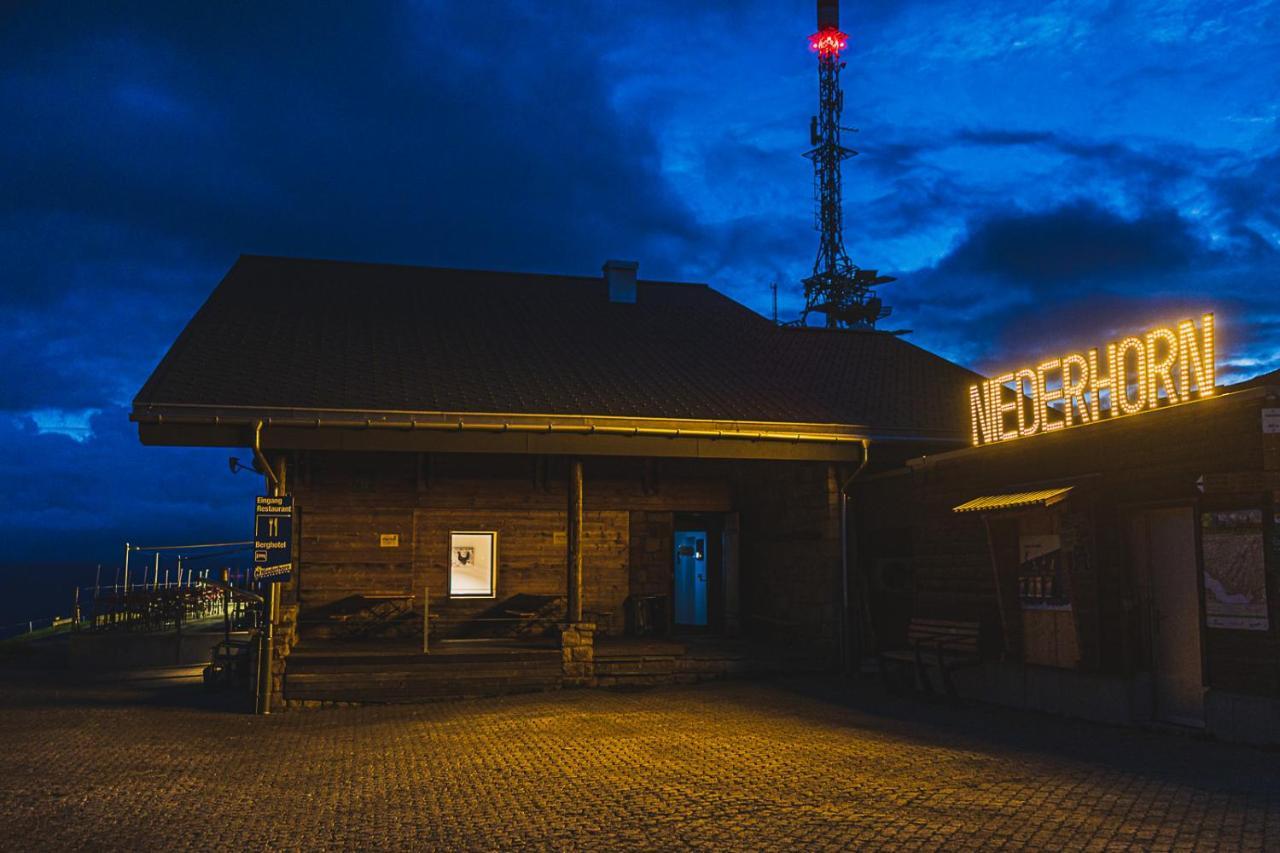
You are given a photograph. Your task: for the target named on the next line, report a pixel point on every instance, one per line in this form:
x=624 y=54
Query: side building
x=1126 y=570
x=508 y=451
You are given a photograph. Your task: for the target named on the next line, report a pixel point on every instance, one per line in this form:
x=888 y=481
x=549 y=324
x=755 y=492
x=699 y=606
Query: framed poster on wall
x=473 y=564
x=1235 y=574
x=1042 y=578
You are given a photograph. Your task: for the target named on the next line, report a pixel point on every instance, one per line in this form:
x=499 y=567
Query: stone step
x=482 y=668
x=356 y=657
x=393 y=687
x=419 y=675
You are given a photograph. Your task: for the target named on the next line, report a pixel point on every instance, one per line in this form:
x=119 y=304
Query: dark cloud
x=65 y=499
x=1018 y=285
x=1075 y=244
x=146 y=151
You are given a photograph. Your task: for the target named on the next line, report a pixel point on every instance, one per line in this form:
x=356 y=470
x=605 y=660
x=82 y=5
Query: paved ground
x=734 y=765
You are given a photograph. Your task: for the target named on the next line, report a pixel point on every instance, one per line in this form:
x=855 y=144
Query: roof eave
x=229 y=426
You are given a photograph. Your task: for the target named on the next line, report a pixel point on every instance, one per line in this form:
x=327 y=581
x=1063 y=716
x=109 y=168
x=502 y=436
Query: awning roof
x=987 y=503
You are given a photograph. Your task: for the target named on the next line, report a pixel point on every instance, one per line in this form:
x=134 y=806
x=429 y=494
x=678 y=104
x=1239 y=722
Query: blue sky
x=1037 y=176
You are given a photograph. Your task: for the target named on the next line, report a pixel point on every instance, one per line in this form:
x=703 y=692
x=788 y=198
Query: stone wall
x=577 y=654
x=285 y=637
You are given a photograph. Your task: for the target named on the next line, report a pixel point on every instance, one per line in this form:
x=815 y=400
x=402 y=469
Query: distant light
x=828 y=42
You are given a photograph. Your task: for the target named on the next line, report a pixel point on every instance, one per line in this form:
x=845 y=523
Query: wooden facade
x=378 y=524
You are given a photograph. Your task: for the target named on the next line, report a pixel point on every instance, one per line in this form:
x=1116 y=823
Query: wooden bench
x=229 y=663
x=944 y=644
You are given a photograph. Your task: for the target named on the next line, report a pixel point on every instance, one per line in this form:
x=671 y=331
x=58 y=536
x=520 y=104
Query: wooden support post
x=423 y=467
x=574 y=542
x=426 y=619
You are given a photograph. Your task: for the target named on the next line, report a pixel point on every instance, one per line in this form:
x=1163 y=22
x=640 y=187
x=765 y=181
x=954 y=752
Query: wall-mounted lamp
x=235 y=465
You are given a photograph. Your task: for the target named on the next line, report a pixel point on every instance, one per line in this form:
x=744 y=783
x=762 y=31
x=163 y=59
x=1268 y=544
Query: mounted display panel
x=1164 y=366
x=273 y=538
x=473 y=564
x=1235 y=570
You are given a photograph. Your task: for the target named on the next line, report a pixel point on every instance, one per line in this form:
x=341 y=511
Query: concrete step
x=480 y=668
x=397 y=672
x=407 y=687
x=356 y=657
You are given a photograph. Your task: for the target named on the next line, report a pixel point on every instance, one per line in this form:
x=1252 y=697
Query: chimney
x=621 y=278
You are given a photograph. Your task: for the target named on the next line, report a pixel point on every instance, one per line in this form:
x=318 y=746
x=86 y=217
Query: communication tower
x=838 y=287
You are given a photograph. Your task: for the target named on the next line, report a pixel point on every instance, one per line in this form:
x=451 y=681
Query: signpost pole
x=266 y=650
x=126 y=567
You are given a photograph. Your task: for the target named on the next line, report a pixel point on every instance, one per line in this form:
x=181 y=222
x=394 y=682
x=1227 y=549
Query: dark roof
x=286 y=333
x=1262 y=379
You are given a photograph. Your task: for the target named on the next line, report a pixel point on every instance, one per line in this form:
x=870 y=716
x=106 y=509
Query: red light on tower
x=828 y=42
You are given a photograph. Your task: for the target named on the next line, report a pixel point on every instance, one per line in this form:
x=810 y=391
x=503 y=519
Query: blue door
x=691 y=577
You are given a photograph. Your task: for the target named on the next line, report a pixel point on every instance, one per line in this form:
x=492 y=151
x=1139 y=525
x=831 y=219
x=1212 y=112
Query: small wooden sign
x=389 y=540
x=1271 y=421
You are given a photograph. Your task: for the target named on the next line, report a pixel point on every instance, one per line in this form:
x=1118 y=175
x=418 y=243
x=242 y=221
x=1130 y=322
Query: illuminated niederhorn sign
x=1167 y=365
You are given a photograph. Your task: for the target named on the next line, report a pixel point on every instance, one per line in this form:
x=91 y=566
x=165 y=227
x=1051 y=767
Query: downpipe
x=844 y=558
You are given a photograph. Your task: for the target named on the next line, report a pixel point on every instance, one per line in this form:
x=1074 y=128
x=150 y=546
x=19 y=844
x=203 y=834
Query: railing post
x=426 y=619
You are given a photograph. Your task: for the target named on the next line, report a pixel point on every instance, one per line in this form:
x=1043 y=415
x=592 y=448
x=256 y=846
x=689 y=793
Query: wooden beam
x=574 y=542
x=649 y=477
x=425 y=469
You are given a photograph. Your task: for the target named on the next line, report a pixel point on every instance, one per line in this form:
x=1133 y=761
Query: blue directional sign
x=273 y=539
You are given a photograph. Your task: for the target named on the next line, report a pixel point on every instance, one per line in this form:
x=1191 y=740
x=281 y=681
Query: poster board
x=1235 y=575
x=1042 y=580
x=473 y=564
x=1044 y=592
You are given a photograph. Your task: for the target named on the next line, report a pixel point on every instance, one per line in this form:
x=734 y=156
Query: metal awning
x=1018 y=500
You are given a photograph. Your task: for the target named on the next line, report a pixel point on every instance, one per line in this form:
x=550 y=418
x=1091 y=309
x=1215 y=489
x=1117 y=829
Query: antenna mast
x=837 y=288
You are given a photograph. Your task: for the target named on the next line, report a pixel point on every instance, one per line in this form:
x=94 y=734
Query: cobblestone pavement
x=152 y=765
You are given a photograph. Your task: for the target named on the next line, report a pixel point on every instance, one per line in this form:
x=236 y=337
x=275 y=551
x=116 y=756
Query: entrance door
x=1165 y=542
x=691 y=577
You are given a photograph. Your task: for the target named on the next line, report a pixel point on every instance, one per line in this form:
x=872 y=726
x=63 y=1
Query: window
x=473 y=562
